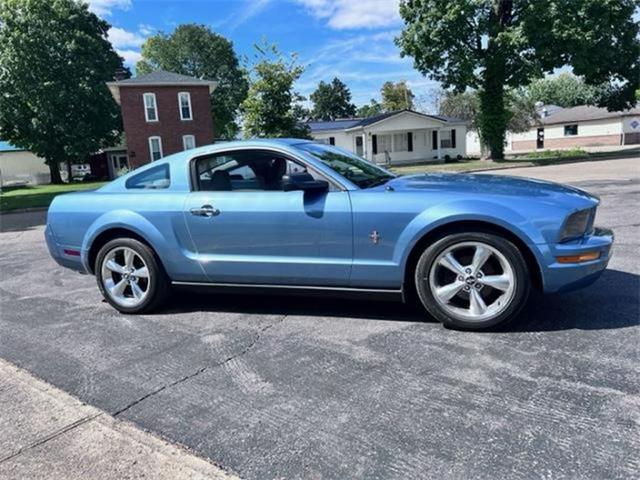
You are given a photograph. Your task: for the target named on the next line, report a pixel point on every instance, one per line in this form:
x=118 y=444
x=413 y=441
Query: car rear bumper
x=66 y=256
x=564 y=277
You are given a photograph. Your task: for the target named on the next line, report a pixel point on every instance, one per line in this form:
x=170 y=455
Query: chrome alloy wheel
x=472 y=281
x=125 y=277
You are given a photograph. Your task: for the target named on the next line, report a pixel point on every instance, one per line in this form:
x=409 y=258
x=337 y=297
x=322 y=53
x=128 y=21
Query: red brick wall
x=169 y=127
x=569 y=142
x=523 y=145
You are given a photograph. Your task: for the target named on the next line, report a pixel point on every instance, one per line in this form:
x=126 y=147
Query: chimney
x=122 y=73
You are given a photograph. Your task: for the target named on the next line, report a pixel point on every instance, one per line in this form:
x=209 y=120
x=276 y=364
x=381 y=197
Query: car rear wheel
x=472 y=281
x=130 y=277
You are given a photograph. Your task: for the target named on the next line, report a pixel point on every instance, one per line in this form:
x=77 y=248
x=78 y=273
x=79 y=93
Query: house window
x=400 y=142
x=150 y=107
x=571 y=130
x=188 y=142
x=384 y=143
x=332 y=140
x=445 y=139
x=155 y=148
x=184 y=100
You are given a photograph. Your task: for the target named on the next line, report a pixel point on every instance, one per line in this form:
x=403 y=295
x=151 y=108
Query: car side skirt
x=304 y=290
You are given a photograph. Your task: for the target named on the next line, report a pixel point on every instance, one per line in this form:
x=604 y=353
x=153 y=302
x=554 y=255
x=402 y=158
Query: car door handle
x=205 y=211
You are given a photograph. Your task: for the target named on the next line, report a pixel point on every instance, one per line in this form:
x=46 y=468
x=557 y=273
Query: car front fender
x=490 y=213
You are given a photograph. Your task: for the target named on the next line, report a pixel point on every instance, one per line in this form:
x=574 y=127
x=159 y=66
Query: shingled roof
x=159 y=78
x=585 y=113
x=162 y=77
x=349 y=123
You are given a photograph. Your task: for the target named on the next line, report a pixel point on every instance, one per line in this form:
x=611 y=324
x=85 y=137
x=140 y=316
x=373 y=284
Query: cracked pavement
x=296 y=387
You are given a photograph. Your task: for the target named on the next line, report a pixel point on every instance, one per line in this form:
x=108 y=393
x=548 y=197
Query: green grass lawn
x=15 y=198
x=531 y=159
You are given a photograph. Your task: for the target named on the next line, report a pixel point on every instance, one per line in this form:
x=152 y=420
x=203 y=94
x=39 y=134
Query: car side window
x=153 y=178
x=246 y=170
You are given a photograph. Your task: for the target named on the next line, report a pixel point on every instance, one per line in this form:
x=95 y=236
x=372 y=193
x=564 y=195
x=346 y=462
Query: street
x=297 y=387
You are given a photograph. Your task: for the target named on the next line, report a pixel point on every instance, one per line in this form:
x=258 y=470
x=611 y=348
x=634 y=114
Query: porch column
x=438 y=142
x=365 y=146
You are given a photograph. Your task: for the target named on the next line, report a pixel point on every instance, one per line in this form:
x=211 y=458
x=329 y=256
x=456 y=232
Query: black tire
x=158 y=281
x=505 y=247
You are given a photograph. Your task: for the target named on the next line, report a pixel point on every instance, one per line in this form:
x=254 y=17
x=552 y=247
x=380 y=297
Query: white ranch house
x=394 y=138
x=577 y=127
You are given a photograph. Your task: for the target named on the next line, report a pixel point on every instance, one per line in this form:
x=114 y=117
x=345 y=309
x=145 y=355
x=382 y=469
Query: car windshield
x=355 y=169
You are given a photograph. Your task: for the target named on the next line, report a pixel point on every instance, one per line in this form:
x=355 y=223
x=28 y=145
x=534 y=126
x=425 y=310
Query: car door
x=247 y=229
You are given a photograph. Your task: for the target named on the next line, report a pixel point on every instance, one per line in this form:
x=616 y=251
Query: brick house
x=162 y=113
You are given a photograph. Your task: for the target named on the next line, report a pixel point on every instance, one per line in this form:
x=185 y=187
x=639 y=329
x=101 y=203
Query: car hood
x=487 y=184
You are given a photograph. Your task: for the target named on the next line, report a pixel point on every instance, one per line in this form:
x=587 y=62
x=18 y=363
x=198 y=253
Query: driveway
x=295 y=387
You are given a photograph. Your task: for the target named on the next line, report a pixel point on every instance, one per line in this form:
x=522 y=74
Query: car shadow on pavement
x=293 y=304
x=612 y=302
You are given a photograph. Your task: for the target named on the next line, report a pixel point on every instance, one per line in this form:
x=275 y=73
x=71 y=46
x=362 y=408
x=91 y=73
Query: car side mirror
x=305 y=182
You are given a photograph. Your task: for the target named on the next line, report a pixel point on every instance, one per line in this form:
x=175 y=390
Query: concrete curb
x=24 y=210
x=47 y=434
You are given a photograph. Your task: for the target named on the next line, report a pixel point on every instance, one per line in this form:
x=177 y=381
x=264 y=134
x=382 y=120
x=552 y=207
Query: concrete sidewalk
x=48 y=434
x=625 y=169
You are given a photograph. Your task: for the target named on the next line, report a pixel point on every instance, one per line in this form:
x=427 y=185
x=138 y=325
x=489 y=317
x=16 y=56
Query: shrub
x=573 y=152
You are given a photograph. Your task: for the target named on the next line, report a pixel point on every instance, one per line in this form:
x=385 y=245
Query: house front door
x=360 y=146
x=540 y=138
x=118 y=163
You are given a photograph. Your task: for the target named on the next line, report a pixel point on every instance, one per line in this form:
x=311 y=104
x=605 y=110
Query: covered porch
x=409 y=137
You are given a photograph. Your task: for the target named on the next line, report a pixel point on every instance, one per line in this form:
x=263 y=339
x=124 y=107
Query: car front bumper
x=564 y=277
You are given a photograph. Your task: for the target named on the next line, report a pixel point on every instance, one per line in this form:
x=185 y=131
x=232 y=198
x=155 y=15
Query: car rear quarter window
x=153 y=178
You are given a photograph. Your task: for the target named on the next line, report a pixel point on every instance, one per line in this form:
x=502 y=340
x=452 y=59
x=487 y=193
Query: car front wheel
x=472 y=281
x=129 y=276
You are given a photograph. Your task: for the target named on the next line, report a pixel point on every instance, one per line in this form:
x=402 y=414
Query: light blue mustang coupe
x=298 y=215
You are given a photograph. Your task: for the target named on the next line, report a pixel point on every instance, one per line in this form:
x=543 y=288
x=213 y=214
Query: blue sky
x=351 y=39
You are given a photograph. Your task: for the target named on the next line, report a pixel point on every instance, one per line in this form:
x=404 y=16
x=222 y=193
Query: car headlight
x=577 y=224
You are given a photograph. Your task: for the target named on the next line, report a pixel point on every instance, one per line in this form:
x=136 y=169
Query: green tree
x=331 y=101
x=55 y=61
x=370 y=110
x=396 y=96
x=197 y=51
x=494 y=44
x=272 y=107
x=465 y=106
x=565 y=90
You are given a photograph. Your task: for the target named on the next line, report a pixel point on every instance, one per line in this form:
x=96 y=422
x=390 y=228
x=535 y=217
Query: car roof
x=177 y=159
x=277 y=143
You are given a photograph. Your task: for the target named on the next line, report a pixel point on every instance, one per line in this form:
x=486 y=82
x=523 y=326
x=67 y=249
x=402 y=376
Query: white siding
x=419 y=125
x=342 y=139
x=23 y=167
x=591 y=128
x=631 y=124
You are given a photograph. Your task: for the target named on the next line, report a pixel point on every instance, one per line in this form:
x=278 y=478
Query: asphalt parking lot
x=294 y=387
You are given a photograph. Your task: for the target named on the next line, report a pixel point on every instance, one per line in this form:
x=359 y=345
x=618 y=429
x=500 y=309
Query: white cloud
x=364 y=62
x=146 y=30
x=250 y=9
x=121 y=38
x=346 y=14
x=104 y=7
x=131 y=57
